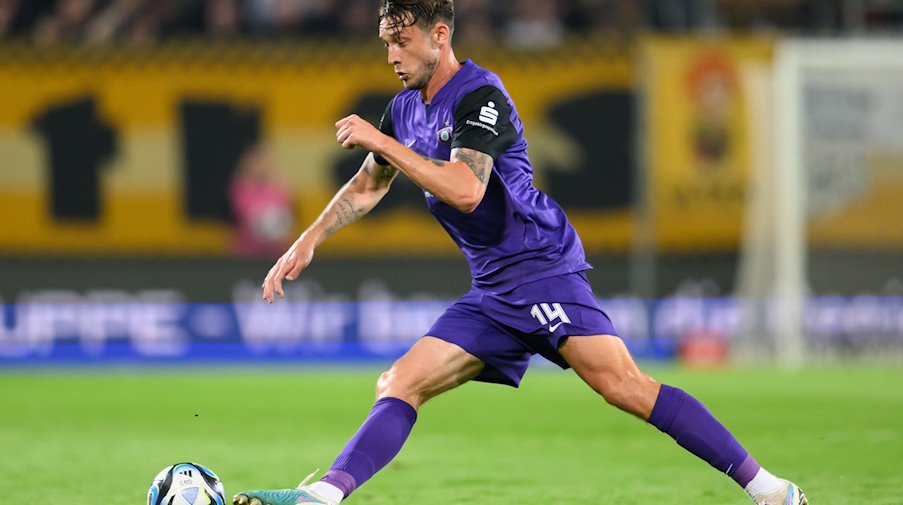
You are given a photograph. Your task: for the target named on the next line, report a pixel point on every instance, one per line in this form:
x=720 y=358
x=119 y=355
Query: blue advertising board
x=347 y=332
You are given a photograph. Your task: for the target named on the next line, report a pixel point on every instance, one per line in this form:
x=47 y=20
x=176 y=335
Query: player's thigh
x=432 y=366
x=604 y=363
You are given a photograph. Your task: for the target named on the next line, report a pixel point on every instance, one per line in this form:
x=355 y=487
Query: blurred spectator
x=271 y=17
x=787 y=15
x=358 y=19
x=148 y=23
x=9 y=10
x=535 y=24
x=67 y=23
x=322 y=19
x=113 y=20
x=262 y=206
x=223 y=18
x=294 y=17
x=133 y=21
x=618 y=18
x=475 y=22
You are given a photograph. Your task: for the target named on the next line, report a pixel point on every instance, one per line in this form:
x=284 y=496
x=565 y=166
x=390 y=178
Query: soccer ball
x=186 y=484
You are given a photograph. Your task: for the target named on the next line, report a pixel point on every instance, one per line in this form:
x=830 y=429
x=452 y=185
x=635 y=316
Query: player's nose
x=393 y=57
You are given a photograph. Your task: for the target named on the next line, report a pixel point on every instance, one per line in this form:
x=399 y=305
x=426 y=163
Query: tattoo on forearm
x=346 y=211
x=438 y=163
x=480 y=164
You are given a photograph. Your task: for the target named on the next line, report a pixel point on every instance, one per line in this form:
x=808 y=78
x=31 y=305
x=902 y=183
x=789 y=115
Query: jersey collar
x=466 y=67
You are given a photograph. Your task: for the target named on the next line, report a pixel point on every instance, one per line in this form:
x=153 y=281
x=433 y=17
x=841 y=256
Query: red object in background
x=704 y=349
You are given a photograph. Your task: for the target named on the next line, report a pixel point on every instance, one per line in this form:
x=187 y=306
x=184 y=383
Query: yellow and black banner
x=134 y=151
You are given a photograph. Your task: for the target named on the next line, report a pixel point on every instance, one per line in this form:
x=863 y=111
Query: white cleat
x=790 y=494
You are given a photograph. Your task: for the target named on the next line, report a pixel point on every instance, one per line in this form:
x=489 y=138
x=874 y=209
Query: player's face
x=412 y=54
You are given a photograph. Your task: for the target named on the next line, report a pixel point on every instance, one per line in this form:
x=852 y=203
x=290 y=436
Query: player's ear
x=441 y=33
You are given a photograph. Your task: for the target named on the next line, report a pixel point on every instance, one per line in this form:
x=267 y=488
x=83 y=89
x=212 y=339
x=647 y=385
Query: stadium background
x=126 y=126
x=133 y=239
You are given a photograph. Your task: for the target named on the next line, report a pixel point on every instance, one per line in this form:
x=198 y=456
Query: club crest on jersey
x=445 y=134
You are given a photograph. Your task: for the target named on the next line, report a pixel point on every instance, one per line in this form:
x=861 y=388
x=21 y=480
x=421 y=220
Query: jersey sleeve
x=483 y=122
x=385 y=126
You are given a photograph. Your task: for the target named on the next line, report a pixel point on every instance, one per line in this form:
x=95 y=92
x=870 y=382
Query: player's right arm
x=354 y=200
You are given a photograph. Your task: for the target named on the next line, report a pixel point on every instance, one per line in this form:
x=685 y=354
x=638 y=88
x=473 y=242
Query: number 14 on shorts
x=548 y=313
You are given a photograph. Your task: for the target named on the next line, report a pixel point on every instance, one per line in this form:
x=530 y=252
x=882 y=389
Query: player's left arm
x=483 y=131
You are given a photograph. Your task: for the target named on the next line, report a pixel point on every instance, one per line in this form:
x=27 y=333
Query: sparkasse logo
x=488 y=114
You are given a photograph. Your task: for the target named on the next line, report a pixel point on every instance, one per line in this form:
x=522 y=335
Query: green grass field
x=80 y=438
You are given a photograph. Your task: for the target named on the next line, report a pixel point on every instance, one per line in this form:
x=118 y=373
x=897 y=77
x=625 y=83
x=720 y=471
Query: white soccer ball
x=186 y=484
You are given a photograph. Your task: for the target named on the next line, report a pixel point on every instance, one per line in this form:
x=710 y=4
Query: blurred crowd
x=519 y=23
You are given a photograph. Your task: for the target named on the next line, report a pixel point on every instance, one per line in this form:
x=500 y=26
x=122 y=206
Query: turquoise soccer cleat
x=279 y=497
x=301 y=494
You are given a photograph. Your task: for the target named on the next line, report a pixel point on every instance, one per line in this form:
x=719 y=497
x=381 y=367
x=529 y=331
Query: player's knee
x=621 y=390
x=607 y=385
x=383 y=383
x=393 y=384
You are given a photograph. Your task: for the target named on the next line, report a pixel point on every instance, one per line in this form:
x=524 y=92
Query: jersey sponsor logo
x=484 y=126
x=488 y=114
x=488 y=118
x=548 y=313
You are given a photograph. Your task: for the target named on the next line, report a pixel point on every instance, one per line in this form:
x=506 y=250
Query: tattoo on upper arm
x=387 y=174
x=479 y=163
x=382 y=174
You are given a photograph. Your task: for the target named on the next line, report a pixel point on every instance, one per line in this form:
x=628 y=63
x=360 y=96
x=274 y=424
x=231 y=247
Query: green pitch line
x=82 y=438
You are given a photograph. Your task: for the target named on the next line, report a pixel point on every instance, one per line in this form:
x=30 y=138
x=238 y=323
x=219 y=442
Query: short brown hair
x=424 y=13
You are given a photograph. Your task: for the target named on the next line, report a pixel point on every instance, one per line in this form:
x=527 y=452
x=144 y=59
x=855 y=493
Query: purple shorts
x=504 y=330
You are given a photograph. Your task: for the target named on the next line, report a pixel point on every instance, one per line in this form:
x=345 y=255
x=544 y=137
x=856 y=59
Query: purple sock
x=687 y=421
x=373 y=446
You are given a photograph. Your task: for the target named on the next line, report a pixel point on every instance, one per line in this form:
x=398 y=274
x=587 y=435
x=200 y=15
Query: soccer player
x=455 y=132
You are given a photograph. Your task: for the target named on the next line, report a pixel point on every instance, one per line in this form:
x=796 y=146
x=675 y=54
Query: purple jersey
x=517 y=234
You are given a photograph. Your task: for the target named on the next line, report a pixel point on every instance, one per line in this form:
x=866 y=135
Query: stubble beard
x=428 y=72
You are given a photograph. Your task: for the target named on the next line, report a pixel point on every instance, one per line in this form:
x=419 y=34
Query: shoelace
x=308 y=478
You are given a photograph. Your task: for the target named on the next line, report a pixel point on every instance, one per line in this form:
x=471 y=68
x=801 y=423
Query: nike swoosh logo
x=554 y=327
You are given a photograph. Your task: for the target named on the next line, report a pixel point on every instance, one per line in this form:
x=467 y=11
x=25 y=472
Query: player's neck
x=447 y=68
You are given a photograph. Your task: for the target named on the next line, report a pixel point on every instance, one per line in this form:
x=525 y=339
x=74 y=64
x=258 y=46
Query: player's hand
x=288 y=267
x=353 y=131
